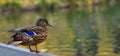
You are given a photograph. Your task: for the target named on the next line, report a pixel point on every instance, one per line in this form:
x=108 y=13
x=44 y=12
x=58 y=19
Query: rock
x=9 y=50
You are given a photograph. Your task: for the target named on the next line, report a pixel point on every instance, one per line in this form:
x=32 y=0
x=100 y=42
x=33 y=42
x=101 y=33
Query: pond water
x=87 y=31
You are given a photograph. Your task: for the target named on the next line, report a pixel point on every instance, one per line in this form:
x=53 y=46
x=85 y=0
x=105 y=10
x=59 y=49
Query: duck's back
x=31 y=35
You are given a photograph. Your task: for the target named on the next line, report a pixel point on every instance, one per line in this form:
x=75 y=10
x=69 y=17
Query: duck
x=31 y=35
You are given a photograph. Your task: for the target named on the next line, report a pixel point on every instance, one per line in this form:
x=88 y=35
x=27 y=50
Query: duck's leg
x=36 y=49
x=31 y=49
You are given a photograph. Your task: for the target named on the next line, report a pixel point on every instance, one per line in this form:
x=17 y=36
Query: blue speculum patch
x=30 y=33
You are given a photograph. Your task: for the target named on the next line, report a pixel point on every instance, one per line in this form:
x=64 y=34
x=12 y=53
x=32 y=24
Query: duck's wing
x=29 y=31
x=36 y=31
x=19 y=30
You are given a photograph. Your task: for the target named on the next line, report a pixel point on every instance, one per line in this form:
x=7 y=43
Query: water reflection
x=80 y=32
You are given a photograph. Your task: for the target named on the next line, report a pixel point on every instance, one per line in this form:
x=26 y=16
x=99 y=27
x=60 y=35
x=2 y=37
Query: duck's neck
x=43 y=27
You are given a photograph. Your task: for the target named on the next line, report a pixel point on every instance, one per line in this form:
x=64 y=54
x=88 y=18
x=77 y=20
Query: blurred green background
x=82 y=27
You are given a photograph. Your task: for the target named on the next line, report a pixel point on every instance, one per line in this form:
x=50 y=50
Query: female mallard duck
x=31 y=35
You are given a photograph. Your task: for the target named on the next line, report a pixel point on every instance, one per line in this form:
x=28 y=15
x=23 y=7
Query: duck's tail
x=14 y=42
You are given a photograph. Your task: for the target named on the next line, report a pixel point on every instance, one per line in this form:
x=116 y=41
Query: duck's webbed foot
x=37 y=51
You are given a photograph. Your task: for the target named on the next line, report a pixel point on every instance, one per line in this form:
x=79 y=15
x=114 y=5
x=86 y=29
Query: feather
x=16 y=30
x=14 y=42
x=30 y=33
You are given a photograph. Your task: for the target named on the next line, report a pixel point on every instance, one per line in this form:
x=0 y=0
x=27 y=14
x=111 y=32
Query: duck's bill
x=52 y=26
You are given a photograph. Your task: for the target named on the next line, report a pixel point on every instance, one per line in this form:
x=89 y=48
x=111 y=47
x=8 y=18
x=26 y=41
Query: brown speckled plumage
x=40 y=30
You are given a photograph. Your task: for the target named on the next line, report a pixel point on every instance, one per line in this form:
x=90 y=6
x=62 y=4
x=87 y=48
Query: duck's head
x=43 y=22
